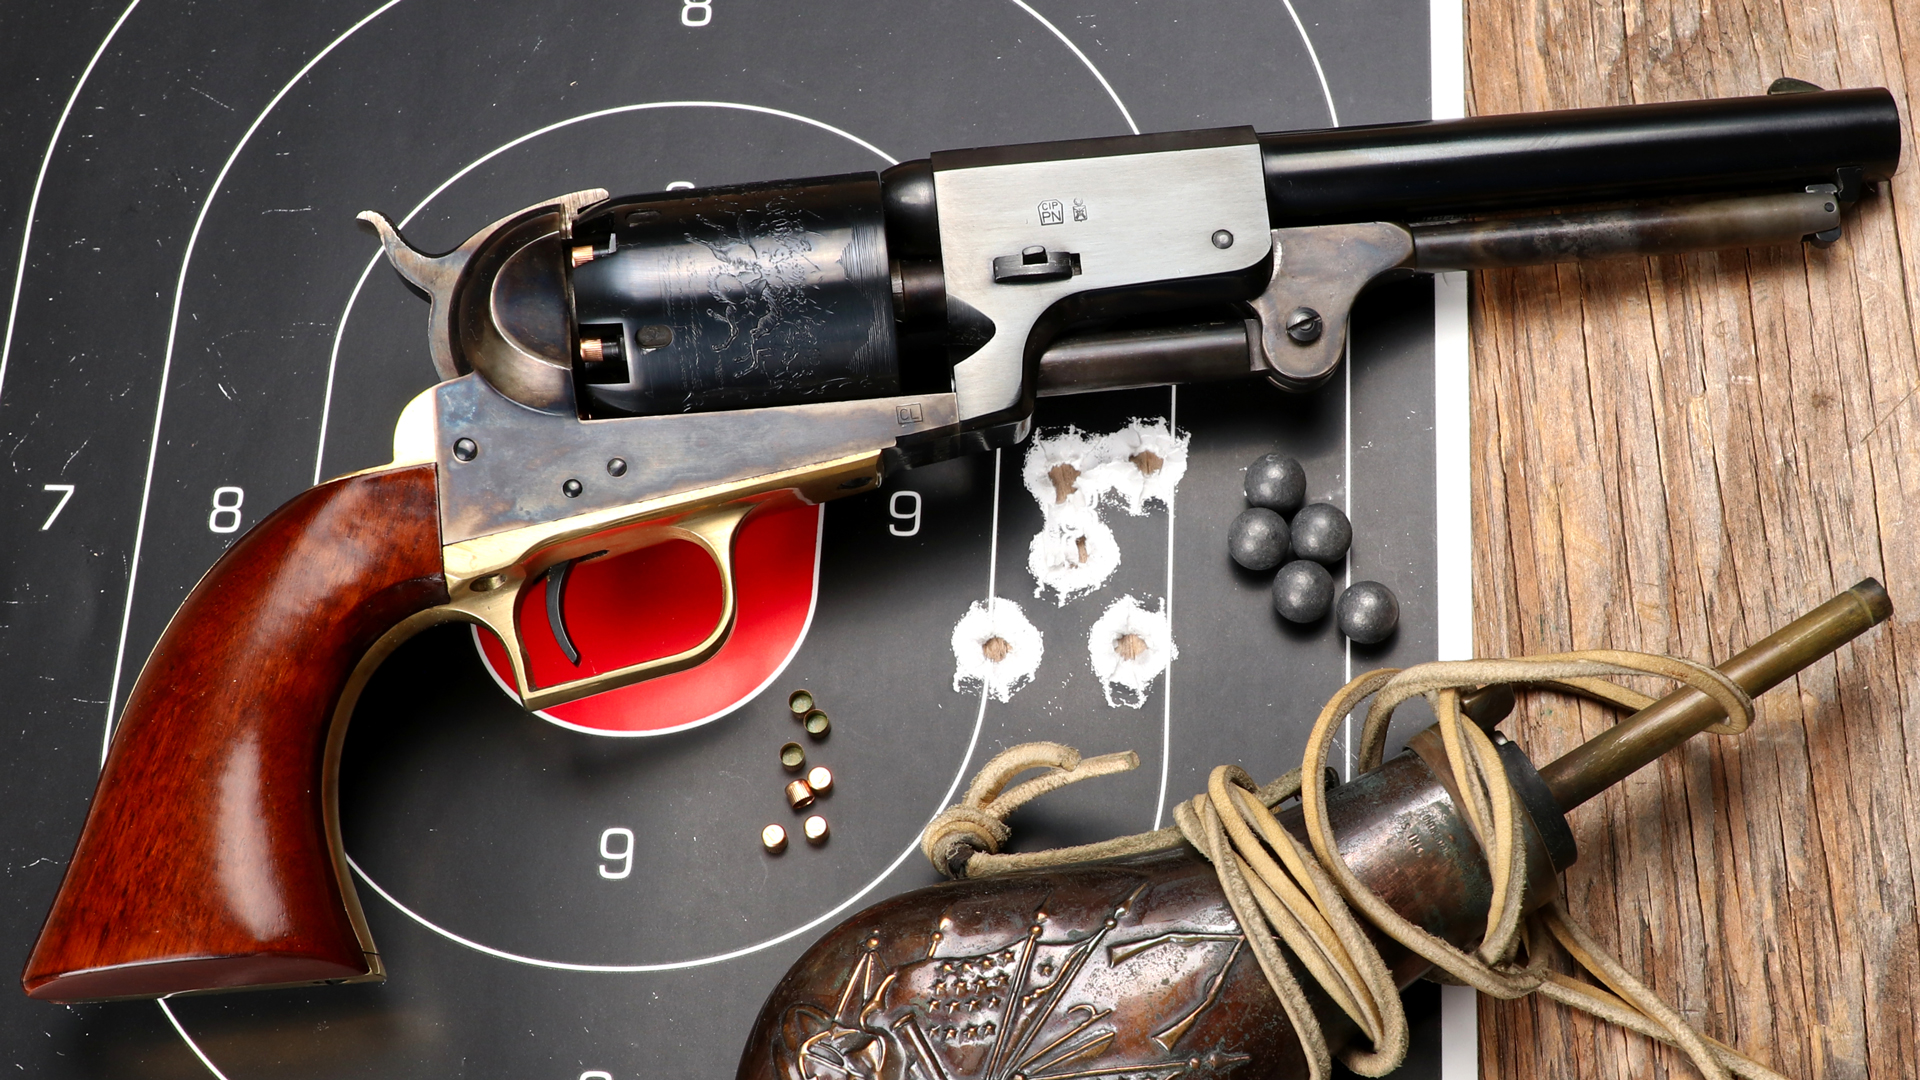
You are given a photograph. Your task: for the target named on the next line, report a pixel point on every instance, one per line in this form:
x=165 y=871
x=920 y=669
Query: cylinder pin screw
x=571 y=489
x=617 y=466
x=1303 y=325
x=465 y=449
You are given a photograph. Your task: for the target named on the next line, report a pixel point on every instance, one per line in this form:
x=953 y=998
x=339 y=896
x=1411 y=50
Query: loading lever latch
x=1035 y=263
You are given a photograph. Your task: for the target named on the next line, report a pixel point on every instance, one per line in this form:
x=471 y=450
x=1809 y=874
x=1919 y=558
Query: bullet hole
x=1064 y=476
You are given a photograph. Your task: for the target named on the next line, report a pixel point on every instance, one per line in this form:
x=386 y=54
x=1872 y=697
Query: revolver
x=618 y=373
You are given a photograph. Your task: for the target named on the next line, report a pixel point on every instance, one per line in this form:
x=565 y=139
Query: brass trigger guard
x=712 y=531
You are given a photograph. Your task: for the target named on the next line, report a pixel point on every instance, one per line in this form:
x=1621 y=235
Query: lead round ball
x=1276 y=483
x=1322 y=533
x=1257 y=539
x=1302 y=591
x=1368 y=612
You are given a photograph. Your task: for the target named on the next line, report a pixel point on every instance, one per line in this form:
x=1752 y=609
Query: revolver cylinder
x=734 y=298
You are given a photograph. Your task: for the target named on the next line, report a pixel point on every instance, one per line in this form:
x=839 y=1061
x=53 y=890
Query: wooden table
x=1683 y=454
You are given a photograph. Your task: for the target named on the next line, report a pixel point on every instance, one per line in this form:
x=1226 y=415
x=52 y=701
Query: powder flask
x=1130 y=967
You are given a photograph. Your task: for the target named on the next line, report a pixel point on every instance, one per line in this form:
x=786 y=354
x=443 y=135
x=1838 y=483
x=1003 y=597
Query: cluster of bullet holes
x=1075 y=478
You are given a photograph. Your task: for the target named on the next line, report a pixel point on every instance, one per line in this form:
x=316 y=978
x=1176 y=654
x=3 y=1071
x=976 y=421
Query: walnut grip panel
x=210 y=857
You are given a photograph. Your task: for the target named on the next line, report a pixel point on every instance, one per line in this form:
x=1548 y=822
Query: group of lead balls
x=1317 y=537
x=802 y=792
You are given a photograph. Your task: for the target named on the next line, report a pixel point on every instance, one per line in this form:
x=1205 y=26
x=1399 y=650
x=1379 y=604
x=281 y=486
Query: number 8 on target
x=696 y=12
x=226 y=510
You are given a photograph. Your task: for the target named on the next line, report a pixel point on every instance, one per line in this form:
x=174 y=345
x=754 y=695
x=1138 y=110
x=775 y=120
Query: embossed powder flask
x=1131 y=967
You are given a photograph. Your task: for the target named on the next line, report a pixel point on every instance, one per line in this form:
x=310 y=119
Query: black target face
x=198 y=330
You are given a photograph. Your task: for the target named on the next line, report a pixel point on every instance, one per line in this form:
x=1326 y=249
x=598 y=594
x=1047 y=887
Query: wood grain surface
x=1682 y=454
x=208 y=858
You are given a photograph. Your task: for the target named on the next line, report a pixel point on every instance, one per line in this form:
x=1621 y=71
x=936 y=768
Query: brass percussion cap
x=800 y=702
x=774 y=839
x=817 y=723
x=820 y=779
x=793 y=757
x=815 y=829
x=799 y=795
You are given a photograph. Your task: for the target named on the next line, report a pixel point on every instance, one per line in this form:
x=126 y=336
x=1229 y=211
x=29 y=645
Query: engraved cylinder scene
x=734 y=297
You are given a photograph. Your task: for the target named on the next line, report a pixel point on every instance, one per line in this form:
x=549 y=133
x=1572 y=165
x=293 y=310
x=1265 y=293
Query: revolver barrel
x=1573 y=156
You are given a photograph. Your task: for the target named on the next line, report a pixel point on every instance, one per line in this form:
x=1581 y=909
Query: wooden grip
x=211 y=857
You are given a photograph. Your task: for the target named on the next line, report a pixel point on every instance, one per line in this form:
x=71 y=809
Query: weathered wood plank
x=1685 y=453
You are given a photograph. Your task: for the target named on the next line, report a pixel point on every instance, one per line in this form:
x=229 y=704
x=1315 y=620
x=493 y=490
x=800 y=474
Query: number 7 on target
x=66 y=493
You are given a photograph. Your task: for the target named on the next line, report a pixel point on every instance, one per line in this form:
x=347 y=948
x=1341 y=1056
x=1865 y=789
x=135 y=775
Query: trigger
x=556 y=593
